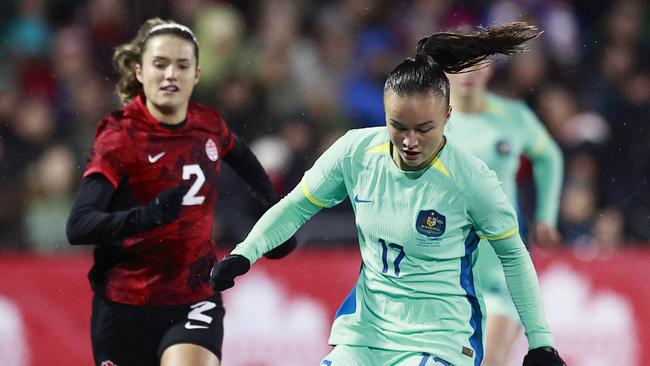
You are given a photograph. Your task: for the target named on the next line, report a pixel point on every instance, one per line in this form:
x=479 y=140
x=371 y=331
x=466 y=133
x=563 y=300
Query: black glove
x=222 y=276
x=165 y=207
x=543 y=356
x=283 y=250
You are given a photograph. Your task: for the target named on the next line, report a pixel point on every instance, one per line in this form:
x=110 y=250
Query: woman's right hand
x=543 y=356
x=222 y=276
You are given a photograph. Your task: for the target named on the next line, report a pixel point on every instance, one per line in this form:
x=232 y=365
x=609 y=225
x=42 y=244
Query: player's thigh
x=188 y=354
x=344 y=355
x=120 y=335
x=502 y=325
x=199 y=324
x=501 y=334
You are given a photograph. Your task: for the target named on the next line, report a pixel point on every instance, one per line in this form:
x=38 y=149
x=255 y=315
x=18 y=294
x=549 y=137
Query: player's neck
x=405 y=167
x=470 y=104
x=167 y=116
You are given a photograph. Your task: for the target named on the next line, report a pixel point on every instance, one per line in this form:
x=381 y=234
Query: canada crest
x=430 y=223
x=211 y=150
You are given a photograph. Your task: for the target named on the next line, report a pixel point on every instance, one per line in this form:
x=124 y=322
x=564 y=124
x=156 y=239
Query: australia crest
x=430 y=223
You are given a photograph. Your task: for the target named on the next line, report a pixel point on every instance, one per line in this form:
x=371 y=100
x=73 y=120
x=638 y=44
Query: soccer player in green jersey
x=507 y=130
x=421 y=204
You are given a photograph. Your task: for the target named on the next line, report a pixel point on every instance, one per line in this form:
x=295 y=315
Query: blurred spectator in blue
x=371 y=59
x=28 y=32
x=363 y=91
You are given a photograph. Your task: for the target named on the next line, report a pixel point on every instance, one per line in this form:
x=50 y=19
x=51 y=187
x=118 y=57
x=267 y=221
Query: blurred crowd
x=291 y=76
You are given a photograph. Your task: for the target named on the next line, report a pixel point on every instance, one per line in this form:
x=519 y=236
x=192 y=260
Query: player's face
x=415 y=126
x=168 y=73
x=471 y=83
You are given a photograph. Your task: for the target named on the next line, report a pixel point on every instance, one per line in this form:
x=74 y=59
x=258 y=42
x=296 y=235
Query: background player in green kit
x=507 y=130
x=420 y=202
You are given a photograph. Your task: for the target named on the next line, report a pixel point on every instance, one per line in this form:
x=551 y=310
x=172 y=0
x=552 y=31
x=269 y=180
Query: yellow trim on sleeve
x=312 y=199
x=507 y=234
x=539 y=145
x=436 y=163
x=383 y=148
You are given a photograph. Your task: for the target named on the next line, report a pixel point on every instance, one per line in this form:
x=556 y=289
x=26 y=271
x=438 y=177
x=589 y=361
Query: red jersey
x=170 y=264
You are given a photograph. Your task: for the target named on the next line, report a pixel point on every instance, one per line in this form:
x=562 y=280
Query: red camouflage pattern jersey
x=170 y=264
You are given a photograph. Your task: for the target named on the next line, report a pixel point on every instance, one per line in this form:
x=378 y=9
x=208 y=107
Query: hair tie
x=425 y=58
x=161 y=27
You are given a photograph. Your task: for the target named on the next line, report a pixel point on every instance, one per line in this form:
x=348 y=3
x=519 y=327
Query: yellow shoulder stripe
x=436 y=163
x=505 y=235
x=310 y=197
x=383 y=148
x=494 y=109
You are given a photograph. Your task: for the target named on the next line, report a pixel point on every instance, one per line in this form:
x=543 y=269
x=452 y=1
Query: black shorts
x=127 y=335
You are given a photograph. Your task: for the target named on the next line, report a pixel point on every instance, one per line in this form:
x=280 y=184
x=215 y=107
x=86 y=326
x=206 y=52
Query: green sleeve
x=324 y=183
x=489 y=209
x=277 y=225
x=548 y=167
x=524 y=289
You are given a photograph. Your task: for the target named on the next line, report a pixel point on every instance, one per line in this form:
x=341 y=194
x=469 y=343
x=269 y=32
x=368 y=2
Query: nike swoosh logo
x=359 y=200
x=155 y=158
x=189 y=325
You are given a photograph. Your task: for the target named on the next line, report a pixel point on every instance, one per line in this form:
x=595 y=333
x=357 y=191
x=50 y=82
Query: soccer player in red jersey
x=147 y=202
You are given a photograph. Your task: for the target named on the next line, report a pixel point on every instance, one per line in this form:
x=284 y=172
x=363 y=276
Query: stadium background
x=291 y=76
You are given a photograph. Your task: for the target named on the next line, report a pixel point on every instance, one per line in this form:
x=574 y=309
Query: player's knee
x=188 y=354
x=496 y=356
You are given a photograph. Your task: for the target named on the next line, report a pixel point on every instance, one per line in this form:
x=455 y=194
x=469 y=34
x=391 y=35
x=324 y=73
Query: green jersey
x=417 y=290
x=499 y=135
x=503 y=131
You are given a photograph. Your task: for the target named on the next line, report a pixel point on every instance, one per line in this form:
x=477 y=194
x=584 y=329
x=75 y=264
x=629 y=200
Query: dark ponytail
x=454 y=53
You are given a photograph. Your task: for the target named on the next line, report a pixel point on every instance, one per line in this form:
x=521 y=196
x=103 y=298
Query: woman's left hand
x=546 y=235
